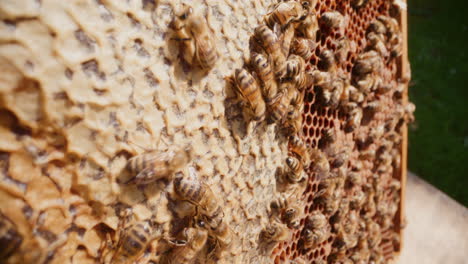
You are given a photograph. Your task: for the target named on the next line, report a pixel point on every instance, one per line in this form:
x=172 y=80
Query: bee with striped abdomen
x=295 y=65
x=284 y=211
x=342 y=50
x=327 y=61
x=294 y=171
x=284 y=13
x=265 y=73
x=152 y=166
x=133 y=242
x=272 y=234
x=201 y=195
x=186 y=250
x=308 y=26
x=302 y=47
x=332 y=20
x=247 y=88
x=316 y=230
x=299 y=148
x=270 y=43
x=354 y=119
x=377 y=43
x=279 y=107
x=198 y=45
x=319 y=163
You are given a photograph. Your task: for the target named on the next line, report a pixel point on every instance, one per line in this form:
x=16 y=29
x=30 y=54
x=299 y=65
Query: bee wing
x=157 y=168
x=151 y=174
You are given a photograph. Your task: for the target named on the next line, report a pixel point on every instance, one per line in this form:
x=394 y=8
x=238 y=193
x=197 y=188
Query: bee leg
x=251 y=127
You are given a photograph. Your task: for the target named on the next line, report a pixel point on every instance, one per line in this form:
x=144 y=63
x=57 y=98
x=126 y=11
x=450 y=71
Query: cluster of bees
x=196 y=200
x=272 y=85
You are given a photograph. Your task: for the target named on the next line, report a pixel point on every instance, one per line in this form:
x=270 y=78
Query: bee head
x=187 y=11
x=294 y=224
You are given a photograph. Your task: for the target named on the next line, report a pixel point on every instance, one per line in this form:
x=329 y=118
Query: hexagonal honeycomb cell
x=89 y=85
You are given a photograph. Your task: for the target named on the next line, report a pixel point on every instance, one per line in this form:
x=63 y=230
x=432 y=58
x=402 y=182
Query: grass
x=438 y=141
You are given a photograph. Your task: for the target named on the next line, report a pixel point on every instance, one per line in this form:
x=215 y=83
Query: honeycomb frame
x=72 y=141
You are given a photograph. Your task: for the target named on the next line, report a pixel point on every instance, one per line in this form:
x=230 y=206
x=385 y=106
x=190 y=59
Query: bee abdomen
x=190 y=190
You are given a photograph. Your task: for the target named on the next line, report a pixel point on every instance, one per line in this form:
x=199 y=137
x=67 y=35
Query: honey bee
x=375 y=237
x=320 y=164
x=299 y=148
x=186 y=250
x=377 y=257
x=338 y=255
x=339 y=159
x=355 y=95
x=327 y=61
x=334 y=93
x=377 y=27
x=357 y=200
x=265 y=73
x=286 y=212
x=284 y=13
x=294 y=71
x=367 y=62
x=294 y=171
x=10 y=238
x=293 y=123
x=219 y=240
x=354 y=120
x=155 y=165
x=201 y=195
x=286 y=39
x=320 y=78
x=367 y=154
x=272 y=234
x=369 y=83
x=331 y=203
x=304 y=80
x=297 y=100
x=308 y=26
x=383 y=88
x=337 y=88
x=270 y=43
x=133 y=241
x=338 y=218
x=198 y=44
x=409 y=112
x=369 y=207
x=355 y=179
x=279 y=108
x=302 y=47
x=316 y=220
x=393 y=35
x=342 y=49
x=247 y=89
x=345 y=240
x=377 y=43
x=362 y=253
x=294 y=66
x=316 y=230
x=332 y=20
x=397 y=7
x=328 y=138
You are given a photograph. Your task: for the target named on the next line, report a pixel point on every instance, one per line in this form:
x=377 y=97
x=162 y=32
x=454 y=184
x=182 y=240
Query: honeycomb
x=88 y=84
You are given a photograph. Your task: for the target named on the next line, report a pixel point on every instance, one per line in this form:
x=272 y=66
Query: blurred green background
x=438 y=51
